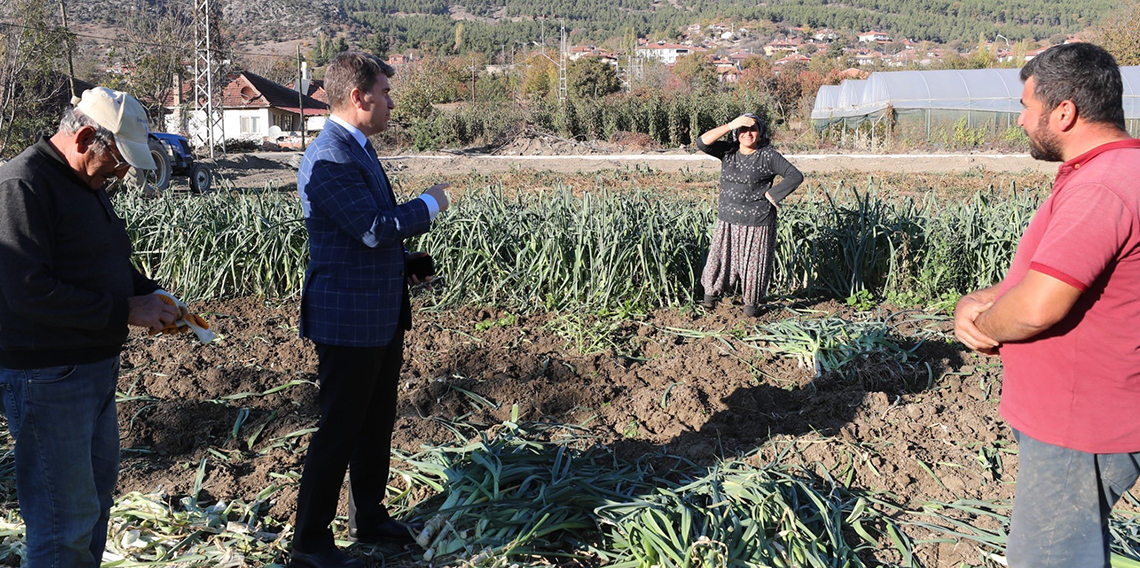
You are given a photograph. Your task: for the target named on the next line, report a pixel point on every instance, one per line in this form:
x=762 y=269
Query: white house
x=252 y=105
x=874 y=35
x=665 y=52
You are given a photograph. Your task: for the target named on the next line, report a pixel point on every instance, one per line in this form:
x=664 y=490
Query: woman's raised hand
x=742 y=121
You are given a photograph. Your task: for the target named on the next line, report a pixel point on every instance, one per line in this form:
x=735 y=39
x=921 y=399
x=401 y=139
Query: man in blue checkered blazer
x=355 y=309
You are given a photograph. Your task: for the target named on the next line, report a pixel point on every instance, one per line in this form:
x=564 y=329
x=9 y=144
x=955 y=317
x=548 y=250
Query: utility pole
x=204 y=94
x=70 y=68
x=629 y=75
x=301 y=88
x=635 y=70
x=560 y=62
x=562 y=81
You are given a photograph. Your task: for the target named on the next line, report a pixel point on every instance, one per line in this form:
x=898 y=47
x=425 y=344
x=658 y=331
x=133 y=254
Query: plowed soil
x=645 y=386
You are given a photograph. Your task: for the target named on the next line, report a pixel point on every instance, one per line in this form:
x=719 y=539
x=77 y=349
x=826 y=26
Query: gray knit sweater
x=744 y=178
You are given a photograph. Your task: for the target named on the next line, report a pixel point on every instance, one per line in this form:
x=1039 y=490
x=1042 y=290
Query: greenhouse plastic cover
x=827 y=97
x=991 y=90
x=851 y=94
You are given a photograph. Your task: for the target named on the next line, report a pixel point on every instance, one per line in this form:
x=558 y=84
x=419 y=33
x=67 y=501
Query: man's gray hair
x=74 y=119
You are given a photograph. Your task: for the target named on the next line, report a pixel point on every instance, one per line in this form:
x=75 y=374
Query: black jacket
x=65 y=266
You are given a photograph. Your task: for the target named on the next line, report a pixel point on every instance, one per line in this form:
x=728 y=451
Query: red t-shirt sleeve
x=1088 y=228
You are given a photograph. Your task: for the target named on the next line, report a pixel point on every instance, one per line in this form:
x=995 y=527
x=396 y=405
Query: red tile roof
x=250 y=90
x=316 y=90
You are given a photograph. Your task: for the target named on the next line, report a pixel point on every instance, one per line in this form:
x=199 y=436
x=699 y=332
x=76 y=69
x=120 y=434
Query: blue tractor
x=172 y=157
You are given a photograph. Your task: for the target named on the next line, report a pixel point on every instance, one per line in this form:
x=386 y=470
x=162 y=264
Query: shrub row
x=669 y=119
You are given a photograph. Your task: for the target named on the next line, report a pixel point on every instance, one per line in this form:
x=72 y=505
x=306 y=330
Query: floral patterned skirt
x=740 y=253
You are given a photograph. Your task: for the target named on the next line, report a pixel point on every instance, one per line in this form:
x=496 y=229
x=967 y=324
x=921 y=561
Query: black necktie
x=371 y=151
x=376 y=162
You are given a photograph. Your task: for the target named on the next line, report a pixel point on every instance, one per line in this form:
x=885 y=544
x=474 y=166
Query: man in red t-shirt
x=1066 y=318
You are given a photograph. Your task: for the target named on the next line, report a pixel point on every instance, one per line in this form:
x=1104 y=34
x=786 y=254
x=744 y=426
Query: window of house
x=250 y=125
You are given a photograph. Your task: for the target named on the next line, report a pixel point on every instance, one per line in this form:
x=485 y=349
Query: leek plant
x=634 y=249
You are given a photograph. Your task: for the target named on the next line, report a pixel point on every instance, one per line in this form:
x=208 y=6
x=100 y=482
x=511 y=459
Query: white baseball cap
x=124 y=117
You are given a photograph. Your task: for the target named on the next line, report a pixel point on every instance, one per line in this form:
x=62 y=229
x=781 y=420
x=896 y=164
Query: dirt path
x=808 y=163
x=256 y=170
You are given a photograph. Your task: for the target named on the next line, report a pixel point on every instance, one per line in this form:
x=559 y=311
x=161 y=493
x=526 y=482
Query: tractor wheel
x=148 y=182
x=201 y=178
x=159 y=177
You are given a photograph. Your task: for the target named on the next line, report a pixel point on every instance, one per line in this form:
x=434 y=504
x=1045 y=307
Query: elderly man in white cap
x=68 y=292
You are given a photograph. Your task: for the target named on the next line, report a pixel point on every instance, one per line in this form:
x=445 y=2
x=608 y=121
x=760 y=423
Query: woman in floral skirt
x=743 y=244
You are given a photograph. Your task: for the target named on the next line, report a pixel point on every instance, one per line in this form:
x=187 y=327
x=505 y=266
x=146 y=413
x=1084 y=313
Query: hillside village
x=265 y=97
x=729 y=47
x=259 y=109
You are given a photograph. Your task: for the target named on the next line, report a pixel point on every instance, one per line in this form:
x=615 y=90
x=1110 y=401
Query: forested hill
x=459 y=26
x=492 y=24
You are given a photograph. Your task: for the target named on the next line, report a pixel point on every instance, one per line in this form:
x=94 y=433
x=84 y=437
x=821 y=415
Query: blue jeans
x=1062 y=502
x=67 y=458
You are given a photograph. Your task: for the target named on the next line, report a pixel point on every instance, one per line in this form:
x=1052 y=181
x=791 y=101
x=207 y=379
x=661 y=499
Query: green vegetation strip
x=542 y=494
x=831 y=344
x=671 y=119
x=623 y=250
x=867 y=349
x=222 y=244
x=511 y=498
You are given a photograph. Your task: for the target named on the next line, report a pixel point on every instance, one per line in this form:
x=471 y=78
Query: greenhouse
x=933 y=104
x=826 y=98
x=850 y=95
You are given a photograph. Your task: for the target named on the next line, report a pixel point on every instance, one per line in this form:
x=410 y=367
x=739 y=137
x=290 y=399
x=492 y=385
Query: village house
x=792 y=58
x=824 y=35
x=728 y=75
x=666 y=53
x=579 y=51
x=874 y=36
x=725 y=65
x=782 y=47
x=738 y=58
x=398 y=59
x=255 y=108
x=907 y=58
x=868 y=57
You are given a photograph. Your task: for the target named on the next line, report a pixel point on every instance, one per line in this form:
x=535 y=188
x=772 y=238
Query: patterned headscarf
x=760 y=128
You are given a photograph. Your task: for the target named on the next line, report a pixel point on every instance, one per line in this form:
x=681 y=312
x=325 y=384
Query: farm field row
x=555 y=413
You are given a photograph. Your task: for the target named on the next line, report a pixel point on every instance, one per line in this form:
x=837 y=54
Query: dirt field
x=725 y=399
x=940 y=440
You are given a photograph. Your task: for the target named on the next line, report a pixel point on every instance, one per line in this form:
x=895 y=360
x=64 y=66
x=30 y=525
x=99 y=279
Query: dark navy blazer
x=355 y=281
